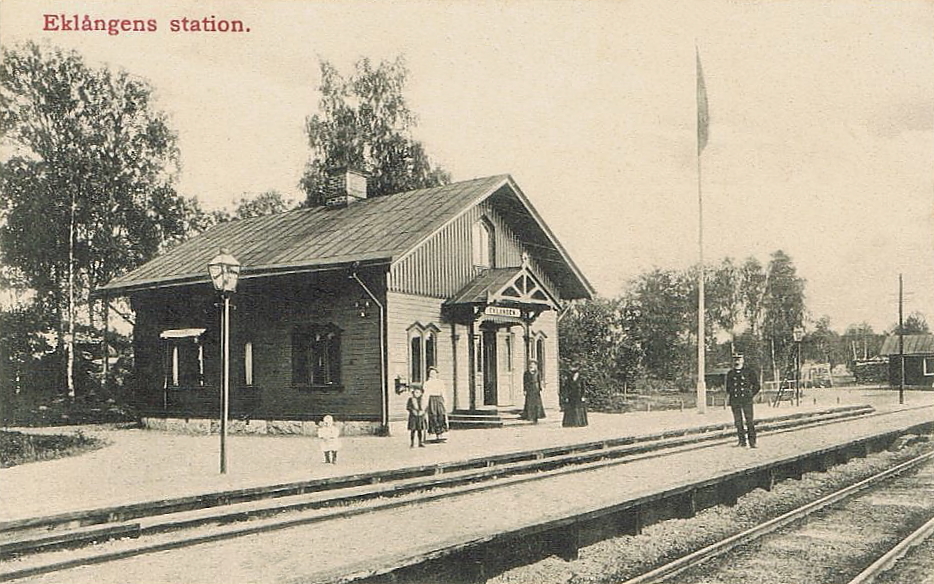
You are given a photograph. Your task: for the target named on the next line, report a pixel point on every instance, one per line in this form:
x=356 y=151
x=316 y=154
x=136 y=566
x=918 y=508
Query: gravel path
x=310 y=553
x=143 y=465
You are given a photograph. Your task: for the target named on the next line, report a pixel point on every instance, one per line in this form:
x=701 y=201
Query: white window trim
x=174 y=335
x=928 y=371
x=248 y=363
x=422 y=333
x=175 y=365
x=483 y=244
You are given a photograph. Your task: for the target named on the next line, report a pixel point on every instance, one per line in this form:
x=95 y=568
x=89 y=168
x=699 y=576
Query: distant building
x=919 y=359
x=341 y=307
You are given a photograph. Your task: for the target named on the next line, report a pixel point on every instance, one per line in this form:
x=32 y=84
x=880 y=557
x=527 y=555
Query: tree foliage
x=661 y=314
x=266 y=203
x=92 y=135
x=365 y=123
x=647 y=336
x=88 y=172
x=594 y=336
x=783 y=308
x=197 y=219
x=915 y=324
x=824 y=345
x=861 y=342
x=724 y=295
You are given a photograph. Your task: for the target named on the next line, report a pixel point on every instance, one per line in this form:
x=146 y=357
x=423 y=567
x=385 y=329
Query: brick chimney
x=344 y=187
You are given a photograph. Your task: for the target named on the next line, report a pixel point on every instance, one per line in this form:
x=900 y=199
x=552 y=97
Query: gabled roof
x=503 y=285
x=914 y=345
x=379 y=230
x=480 y=288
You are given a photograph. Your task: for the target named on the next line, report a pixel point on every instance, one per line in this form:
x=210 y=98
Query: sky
x=821 y=119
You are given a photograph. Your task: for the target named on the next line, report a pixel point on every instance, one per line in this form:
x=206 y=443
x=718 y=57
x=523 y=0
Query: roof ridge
x=315 y=234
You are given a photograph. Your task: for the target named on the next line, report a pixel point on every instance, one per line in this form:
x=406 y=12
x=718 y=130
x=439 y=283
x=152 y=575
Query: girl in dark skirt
x=437 y=413
x=417 y=420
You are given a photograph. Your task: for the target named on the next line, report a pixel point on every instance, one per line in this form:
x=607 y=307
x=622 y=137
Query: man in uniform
x=742 y=384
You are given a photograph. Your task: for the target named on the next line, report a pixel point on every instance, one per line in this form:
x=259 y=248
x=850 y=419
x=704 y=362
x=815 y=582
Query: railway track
x=175 y=524
x=893 y=565
x=827 y=540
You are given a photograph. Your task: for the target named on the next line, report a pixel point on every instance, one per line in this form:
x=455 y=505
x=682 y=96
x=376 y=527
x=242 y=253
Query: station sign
x=502 y=311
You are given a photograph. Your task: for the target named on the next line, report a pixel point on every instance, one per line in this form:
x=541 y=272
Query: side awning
x=181 y=333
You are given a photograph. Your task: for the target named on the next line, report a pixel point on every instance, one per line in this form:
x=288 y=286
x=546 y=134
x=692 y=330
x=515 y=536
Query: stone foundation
x=256 y=427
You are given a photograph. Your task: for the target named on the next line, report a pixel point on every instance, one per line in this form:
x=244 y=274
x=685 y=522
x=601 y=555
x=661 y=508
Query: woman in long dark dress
x=532 y=385
x=575 y=407
x=437 y=412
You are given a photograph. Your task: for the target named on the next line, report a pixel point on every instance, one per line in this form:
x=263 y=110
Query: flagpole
x=702 y=133
x=701 y=352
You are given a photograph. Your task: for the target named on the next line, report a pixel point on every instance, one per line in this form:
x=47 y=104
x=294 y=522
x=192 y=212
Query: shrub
x=19 y=448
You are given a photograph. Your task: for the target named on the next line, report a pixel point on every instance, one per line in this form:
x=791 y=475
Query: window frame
x=928 y=370
x=319 y=343
x=483 y=244
x=510 y=341
x=249 y=370
x=419 y=336
x=538 y=350
x=179 y=362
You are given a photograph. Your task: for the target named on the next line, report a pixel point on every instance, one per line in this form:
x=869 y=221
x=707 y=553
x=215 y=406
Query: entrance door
x=507 y=369
x=490 y=393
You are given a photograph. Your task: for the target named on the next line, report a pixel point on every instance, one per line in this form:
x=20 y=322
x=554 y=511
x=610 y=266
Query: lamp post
x=798 y=335
x=224 y=270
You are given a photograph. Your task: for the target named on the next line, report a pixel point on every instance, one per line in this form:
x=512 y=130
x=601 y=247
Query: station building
x=342 y=307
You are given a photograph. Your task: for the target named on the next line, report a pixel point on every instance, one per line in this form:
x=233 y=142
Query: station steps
x=494 y=417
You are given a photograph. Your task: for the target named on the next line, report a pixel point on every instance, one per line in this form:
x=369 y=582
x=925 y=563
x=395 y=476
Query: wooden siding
x=914 y=371
x=443 y=264
x=404 y=310
x=265 y=314
x=547 y=323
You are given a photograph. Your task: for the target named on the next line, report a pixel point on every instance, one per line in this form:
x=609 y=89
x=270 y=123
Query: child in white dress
x=330 y=439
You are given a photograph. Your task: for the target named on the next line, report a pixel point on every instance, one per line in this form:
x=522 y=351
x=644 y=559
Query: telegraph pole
x=703 y=119
x=901 y=345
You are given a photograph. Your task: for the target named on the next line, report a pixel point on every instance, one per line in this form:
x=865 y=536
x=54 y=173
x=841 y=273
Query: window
x=415 y=359
x=316 y=356
x=538 y=353
x=248 y=364
x=423 y=351
x=484 y=250
x=184 y=357
x=509 y=342
x=929 y=365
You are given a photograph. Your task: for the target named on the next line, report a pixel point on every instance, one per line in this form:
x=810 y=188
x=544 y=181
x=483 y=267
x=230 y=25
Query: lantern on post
x=224 y=270
x=798 y=334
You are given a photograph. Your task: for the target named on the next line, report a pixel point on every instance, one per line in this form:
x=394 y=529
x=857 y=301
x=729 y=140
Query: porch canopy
x=505 y=294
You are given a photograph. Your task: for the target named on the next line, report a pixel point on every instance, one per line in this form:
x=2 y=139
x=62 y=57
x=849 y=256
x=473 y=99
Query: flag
x=703 y=118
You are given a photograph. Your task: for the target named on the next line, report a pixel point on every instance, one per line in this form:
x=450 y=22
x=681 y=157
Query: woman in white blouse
x=437 y=413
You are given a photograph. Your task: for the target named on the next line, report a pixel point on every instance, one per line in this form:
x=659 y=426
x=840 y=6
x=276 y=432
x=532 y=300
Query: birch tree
x=364 y=122
x=87 y=178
